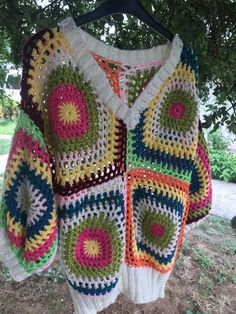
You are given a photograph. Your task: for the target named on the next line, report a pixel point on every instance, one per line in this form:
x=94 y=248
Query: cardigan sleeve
x=28 y=215
x=200 y=193
x=28 y=220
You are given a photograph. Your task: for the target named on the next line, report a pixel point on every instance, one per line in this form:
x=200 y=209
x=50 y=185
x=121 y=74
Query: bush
x=223 y=163
x=217 y=141
x=9 y=109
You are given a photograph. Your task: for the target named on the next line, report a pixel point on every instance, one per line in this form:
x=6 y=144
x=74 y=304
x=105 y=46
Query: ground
x=203 y=281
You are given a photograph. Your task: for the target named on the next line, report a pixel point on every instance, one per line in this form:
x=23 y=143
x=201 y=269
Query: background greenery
x=207 y=26
x=223 y=162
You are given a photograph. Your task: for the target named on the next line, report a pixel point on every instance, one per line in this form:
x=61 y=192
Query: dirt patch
x=203 y=281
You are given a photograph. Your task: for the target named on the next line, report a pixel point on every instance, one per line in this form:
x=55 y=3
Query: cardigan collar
x=82 y=43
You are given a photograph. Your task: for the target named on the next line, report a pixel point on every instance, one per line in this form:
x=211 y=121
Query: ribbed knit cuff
x=11 y=262
x=143 y=284
x=92 y=304
x=9 y=259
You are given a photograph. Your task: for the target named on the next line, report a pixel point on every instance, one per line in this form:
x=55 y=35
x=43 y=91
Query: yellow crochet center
x=92 y=247
x=68 y=113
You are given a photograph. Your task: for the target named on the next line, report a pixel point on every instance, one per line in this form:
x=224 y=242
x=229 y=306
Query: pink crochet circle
x=104 y=256
x=176 y=110
x=67 y=95
x=158 y=230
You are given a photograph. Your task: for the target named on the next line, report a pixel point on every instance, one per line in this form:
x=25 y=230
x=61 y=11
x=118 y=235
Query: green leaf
x=119 y=18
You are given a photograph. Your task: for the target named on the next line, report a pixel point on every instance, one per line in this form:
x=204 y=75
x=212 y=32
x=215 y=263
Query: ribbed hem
x=92 y=304
x=9 y=259
x=11 y=262
x=140 y=284
x=143 y=284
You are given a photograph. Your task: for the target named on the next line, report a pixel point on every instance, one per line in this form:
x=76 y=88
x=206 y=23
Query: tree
x=207 y=26
x=4 y=57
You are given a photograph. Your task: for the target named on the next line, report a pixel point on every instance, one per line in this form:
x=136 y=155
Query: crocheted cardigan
x=107 y=166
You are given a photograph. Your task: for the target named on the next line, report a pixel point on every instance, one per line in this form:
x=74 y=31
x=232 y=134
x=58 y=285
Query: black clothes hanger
x=133 y=7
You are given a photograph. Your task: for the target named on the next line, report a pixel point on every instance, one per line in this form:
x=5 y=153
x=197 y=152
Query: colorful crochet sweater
x=107 y=166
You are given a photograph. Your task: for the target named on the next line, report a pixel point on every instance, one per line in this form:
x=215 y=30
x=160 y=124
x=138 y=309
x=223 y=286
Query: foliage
x=5 y=274
x=220 y=278
x=230 y=246
x=234 y=279
x=207 y=26
x=223 y=166
x=217 y=141
x=7 y=127
x=206 y=285
x=214 y=251
x=4 y=57
x=219 y=225
x=53 y=273
x=186 y=247
x=223 y=163
x=9 y=109
x=5 y=145
x=202 y=257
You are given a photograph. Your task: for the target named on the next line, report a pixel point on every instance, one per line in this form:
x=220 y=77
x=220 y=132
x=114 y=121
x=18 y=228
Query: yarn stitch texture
x=107 y=166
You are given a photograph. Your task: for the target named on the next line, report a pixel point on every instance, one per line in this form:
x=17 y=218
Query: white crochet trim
x=82 y=43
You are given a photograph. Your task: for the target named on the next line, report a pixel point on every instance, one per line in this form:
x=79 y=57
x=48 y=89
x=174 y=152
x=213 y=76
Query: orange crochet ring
x=148 y=178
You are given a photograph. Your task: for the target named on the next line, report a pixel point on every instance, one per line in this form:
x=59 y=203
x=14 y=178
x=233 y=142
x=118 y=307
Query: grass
x=201 y=256
x=229 y=245
x=1 y=181
x=5 y=145
x=203 y=282
x=5 y=274
x=186 y=247
x=220 y=278
x=206 y=285
x=7 y=127
x=208 y=262
x=54 y=274
x=234 y=279
x=216 y=225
